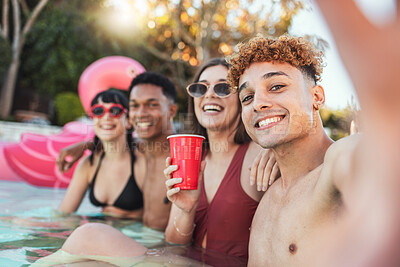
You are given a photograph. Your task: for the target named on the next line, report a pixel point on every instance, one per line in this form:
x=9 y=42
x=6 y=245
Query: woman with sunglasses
x=218 y=215
x=108 y=172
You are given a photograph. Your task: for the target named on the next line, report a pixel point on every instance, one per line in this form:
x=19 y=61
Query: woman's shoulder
x=85 y=168
x=87 y=163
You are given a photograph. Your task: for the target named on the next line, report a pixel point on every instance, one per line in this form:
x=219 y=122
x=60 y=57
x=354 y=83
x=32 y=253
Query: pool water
x=31 y=228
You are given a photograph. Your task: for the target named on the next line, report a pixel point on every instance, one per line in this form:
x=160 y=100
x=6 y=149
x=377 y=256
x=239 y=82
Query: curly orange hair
x=296 y=51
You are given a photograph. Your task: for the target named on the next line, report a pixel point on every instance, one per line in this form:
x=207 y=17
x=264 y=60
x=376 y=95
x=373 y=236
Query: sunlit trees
x=13 y=30
x=339 y=121
x=180 y=35
x=59 y=48
x=173 y=37
x=183 y=34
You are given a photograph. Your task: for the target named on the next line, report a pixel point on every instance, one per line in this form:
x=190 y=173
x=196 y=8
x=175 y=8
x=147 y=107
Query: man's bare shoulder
x=339 y=163
x=342 y=147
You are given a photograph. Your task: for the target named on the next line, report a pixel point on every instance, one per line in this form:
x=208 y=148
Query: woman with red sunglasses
x=108 y=171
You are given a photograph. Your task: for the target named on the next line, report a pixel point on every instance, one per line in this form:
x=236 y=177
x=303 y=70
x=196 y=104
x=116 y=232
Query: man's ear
x=318 y=97
x=173 y=109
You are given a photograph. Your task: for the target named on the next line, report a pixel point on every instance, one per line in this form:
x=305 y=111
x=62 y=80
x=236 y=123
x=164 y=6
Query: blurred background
x=45 y=45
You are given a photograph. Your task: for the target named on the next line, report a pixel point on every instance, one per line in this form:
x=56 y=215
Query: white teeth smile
x=268 y=121
x=143 y=124
x=212 y=108
x=107 y=127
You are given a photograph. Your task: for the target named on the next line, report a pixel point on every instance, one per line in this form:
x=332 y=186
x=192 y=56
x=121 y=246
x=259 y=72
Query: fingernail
x=251 y=182
x=179 y=179
x=258 y=187
x=177 y=189
x=264 y=188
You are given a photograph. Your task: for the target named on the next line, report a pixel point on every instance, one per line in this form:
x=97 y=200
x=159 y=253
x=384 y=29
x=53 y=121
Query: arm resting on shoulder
x=75 y=152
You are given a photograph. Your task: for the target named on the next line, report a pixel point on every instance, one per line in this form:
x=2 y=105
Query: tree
x=184 y=34
x=17 y=40
x=181 y=35
x=339 y=121
x=171 y=37
x=63 y=36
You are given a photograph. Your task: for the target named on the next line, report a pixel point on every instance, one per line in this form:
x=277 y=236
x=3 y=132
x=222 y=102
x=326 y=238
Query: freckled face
x=276 y=103
x=213 y=112
x=148 y=110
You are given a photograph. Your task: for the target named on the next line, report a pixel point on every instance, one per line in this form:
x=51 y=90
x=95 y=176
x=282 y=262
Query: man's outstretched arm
x=370 y=235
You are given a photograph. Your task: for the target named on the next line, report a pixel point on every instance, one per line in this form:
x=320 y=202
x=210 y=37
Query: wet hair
x=295 y=51
x=154 y=78
x=241 y=135
x=112 y=96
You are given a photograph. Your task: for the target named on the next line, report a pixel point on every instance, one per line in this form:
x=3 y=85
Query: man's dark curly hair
x=295 y=51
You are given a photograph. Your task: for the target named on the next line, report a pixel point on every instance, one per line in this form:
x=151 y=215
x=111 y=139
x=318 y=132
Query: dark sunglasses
x=221 y=89
x=115 y=110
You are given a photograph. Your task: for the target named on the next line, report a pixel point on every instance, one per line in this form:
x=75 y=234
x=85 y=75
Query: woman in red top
x=218 y=215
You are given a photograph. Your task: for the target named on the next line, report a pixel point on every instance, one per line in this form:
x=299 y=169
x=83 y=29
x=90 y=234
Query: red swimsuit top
x=227 y=219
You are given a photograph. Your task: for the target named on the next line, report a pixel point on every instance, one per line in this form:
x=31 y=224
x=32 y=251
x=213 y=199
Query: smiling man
x=277 y=85
x=151 y=110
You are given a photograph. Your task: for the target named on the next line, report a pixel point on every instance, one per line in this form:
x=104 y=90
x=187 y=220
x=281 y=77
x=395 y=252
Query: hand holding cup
x=186 y=153
x=186 y=200
x=184 y=170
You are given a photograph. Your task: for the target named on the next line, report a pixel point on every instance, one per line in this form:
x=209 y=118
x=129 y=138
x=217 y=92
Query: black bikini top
x=131 y=197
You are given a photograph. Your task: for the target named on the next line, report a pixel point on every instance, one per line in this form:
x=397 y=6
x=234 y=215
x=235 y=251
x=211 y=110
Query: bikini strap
x=98 y=165
x=132 y=160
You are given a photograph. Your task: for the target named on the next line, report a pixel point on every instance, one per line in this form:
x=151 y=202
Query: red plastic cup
x=186 y=153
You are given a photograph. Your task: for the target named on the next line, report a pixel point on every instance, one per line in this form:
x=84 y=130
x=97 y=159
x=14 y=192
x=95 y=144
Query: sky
x=338 y=87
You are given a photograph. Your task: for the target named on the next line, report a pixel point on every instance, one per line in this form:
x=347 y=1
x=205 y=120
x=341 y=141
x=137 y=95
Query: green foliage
x=56 y=52
x=61 y=45
x=68 y=107
x=338 y=121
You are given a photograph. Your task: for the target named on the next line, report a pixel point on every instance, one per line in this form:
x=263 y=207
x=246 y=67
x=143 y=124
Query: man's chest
x=287 y=228
x=149 y=171
x=152 y=184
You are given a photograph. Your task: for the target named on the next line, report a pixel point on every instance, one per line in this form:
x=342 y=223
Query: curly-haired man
x=276 y=79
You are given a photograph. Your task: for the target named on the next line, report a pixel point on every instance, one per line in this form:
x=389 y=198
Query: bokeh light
x=123 y=18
